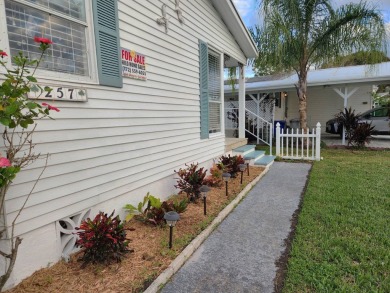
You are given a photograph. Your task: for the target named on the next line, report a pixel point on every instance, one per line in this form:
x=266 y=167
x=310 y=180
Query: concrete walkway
x=240 y=255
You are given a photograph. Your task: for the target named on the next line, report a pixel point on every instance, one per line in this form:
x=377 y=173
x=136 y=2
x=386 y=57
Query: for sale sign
x=133 y=64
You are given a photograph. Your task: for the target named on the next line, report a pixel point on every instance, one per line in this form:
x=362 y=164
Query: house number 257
x=59 y=93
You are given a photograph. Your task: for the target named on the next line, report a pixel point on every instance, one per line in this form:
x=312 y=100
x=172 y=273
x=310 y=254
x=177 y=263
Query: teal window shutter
x=204 y=89
x=107 y=42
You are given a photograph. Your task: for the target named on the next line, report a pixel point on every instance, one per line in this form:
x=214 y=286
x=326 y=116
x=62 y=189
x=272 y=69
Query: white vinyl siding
x=214 y=92
x=127 y=138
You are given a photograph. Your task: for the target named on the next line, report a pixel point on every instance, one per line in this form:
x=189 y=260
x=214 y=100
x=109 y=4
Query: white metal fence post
x=278 y=139
x=318 y=141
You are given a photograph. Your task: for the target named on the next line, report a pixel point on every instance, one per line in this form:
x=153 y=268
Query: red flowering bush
x=103 y=239
x=191 y=179
x=44 y=41
x=18 y=117
x=7 y=171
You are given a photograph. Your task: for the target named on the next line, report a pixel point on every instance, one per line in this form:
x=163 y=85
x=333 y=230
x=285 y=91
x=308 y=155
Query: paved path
x=240 y=255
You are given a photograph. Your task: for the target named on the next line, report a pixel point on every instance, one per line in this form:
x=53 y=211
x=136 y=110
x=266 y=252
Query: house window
x=214 y=92
x=62 y=21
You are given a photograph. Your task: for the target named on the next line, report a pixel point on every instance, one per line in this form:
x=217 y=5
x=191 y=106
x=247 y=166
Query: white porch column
x=345 y=95
x=241 y=102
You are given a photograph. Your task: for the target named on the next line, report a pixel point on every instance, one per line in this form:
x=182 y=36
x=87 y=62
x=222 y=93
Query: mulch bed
x=151 y=255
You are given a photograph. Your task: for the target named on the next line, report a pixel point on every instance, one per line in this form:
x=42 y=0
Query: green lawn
x=342 y=241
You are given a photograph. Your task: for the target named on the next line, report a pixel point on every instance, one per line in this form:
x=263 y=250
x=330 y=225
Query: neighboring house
x=120 y=132
x=329 y=91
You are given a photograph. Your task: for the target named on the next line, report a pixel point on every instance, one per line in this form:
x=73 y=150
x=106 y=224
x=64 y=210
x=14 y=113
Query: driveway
x=378 y=141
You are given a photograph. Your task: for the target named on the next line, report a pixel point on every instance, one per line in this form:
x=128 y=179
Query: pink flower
x=3 y=54
x=4 y=162
x=42 y=40
x=50 y=107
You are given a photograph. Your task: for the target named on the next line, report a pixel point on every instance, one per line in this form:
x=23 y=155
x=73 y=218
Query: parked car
x=378 y=117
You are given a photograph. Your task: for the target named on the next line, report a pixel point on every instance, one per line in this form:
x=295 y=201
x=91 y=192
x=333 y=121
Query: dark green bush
x=349 y=119
x=361 y=135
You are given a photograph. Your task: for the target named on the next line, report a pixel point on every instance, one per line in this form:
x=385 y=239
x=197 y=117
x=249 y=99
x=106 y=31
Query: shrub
x=230 y=164
x=155 y=209
x=103 y=239
x=215 y=177
x=361 y=135
x=349 y=119
x=191 y=179
x=180 y=206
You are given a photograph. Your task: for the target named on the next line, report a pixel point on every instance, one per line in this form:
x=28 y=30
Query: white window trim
x=53 y=77
x=213 y=51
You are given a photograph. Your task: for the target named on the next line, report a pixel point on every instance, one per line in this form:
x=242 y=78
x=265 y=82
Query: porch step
x=244 y=150
x=265 y=161
x=233 y=143
x=254 y=155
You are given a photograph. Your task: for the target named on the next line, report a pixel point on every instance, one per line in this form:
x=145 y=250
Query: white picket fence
x=299 y=145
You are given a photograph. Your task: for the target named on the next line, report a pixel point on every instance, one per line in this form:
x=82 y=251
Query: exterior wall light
x=226 y=178
x=242 y=169
x=171 y=218
x=204 y=190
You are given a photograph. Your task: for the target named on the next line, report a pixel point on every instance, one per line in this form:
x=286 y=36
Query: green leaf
x=129 y=217
x=24 y=123
x=30 y=121
x=12 y=124
x=48 y=89
x=31 y=78
x=154 y=202
x=5 y=121
x=130 y=207
x=31 y=105
x=141 y=207
x=11 y=109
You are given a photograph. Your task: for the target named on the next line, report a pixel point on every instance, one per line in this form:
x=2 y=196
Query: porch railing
x=299 y=145
x=259 y=128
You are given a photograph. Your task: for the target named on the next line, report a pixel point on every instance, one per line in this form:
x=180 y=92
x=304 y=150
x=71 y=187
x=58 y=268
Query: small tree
x=18 y=115
x=296 y=35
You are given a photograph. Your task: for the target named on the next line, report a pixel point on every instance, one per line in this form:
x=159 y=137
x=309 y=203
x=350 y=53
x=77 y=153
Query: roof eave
x=236 y=26
x=359 y=74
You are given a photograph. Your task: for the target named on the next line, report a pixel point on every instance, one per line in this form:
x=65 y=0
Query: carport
x=329 y=91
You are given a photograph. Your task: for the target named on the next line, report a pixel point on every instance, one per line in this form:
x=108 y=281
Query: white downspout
x=241 y=102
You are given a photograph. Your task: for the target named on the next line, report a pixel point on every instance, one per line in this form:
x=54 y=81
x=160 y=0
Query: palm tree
x=298 y=34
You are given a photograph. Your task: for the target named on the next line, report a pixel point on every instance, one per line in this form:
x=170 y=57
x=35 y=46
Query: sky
x=247 y=9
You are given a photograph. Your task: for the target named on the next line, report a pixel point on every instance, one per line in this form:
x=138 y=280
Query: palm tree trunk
x=301 y=91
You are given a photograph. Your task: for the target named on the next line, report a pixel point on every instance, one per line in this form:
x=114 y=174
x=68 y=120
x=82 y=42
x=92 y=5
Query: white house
x=140 y=89
x=329 y=91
